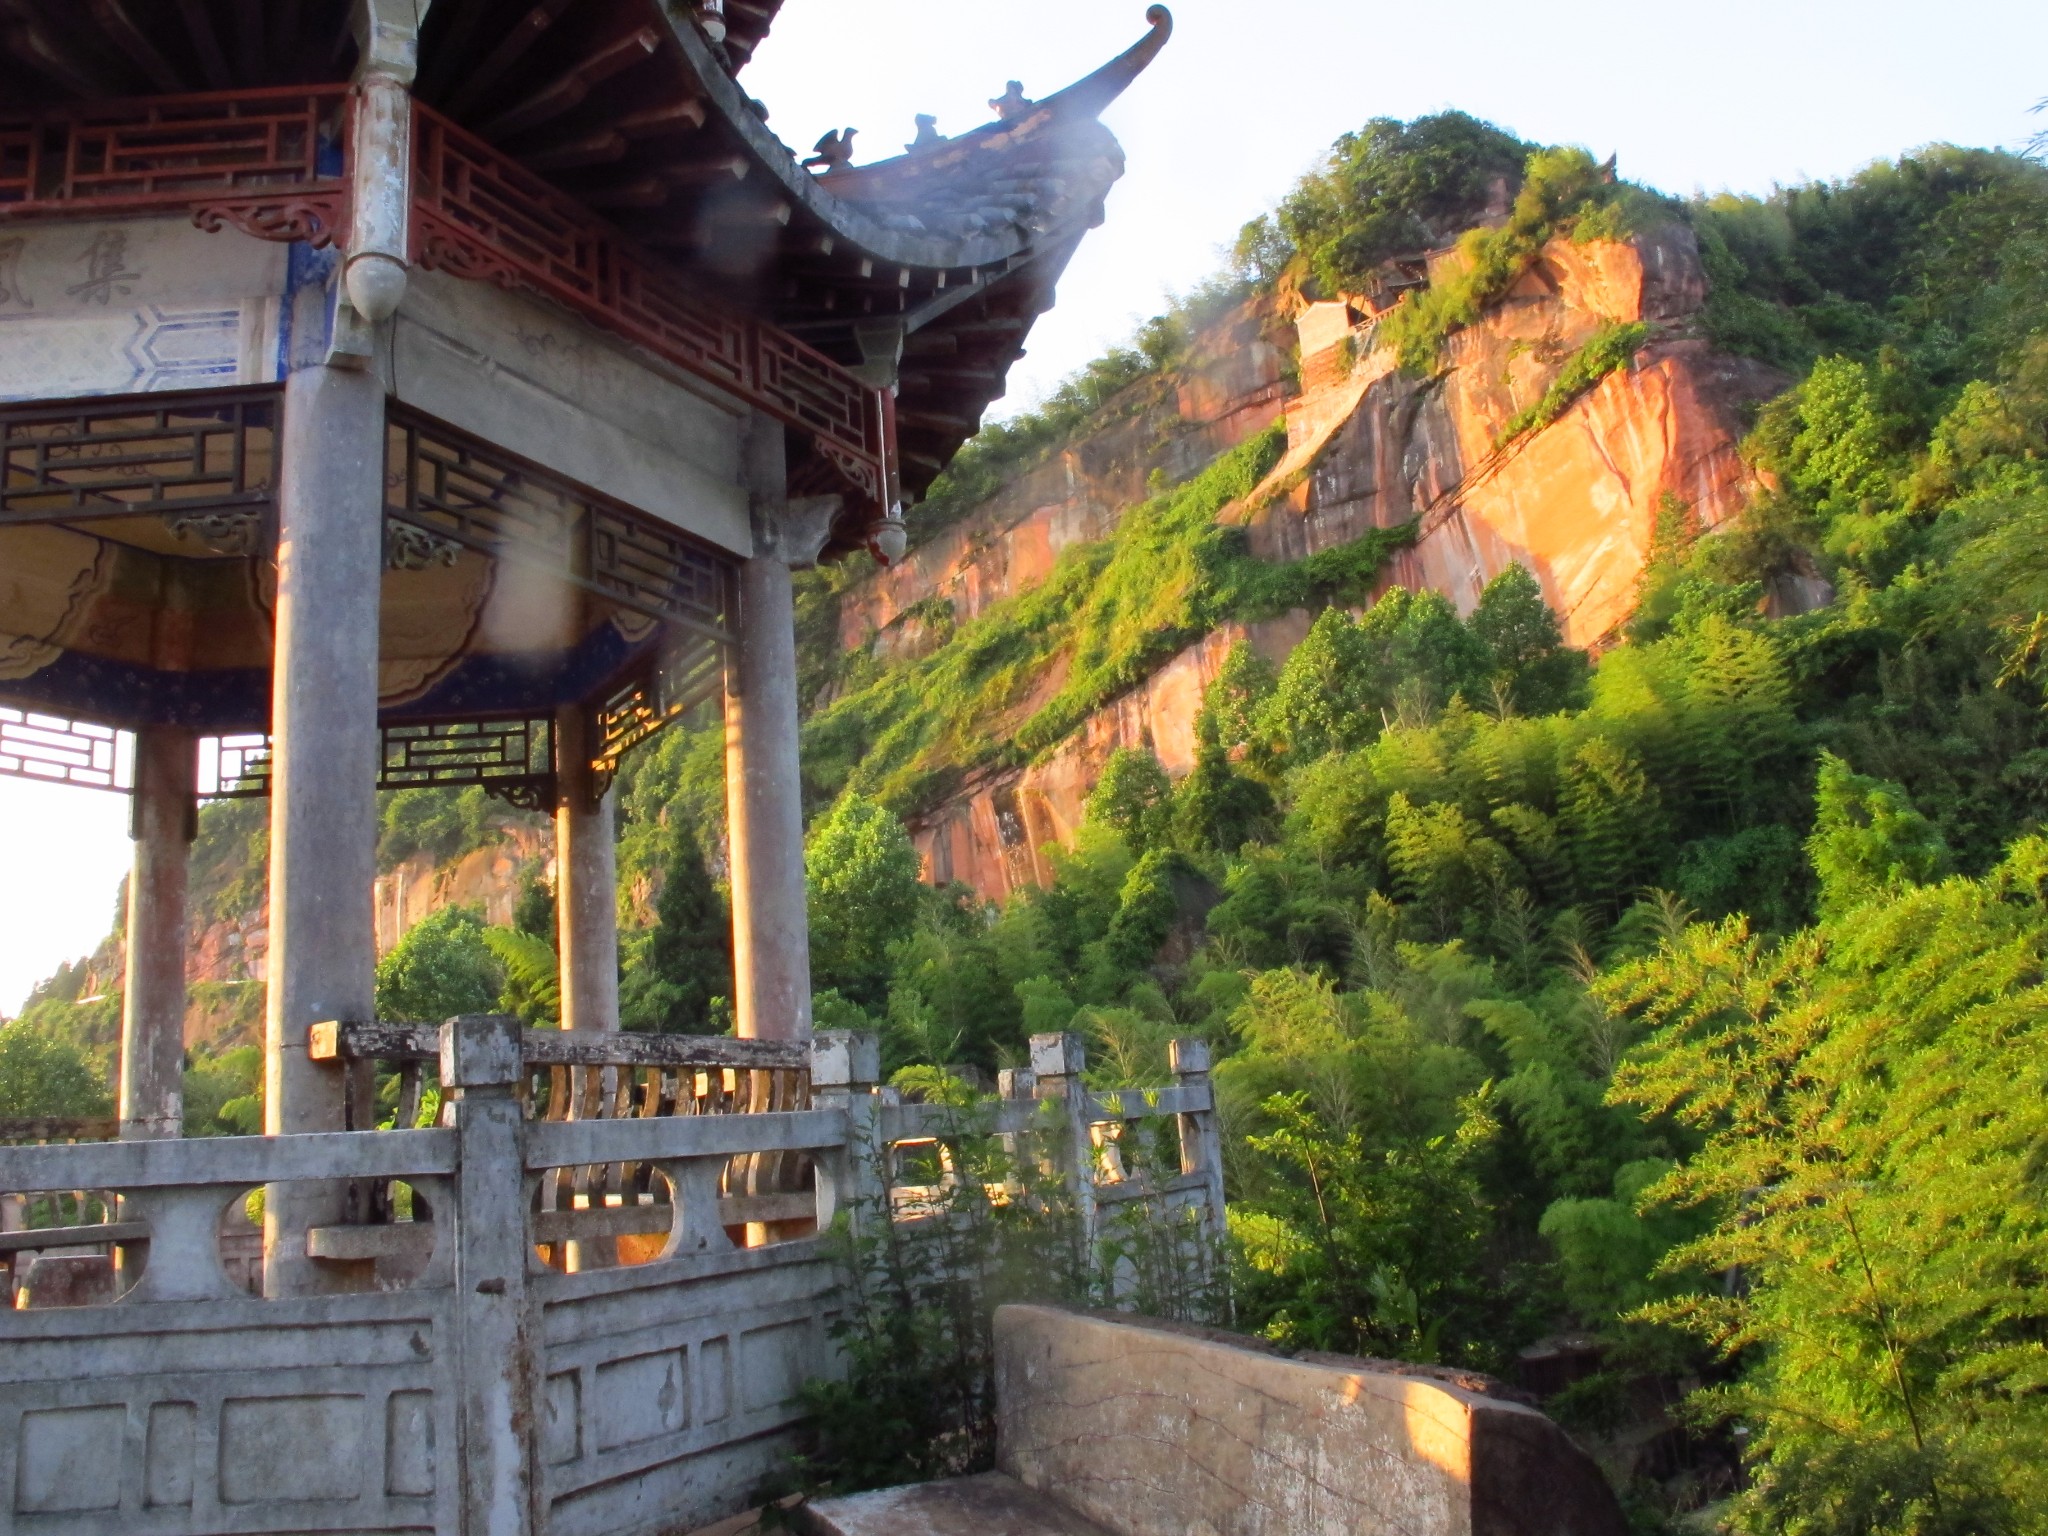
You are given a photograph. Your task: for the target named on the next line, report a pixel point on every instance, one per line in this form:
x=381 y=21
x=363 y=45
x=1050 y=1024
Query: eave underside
x=631 y=109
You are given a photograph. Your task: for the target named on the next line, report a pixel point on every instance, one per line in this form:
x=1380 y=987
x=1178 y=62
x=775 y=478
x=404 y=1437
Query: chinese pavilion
x=440 y=392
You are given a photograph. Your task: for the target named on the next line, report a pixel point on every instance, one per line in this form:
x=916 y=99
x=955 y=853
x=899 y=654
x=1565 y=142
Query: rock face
x=1577 y=501
x=487 y=878
x=993 y=836
x=1152 y=1430
x=1232 y=386
x=234 y=951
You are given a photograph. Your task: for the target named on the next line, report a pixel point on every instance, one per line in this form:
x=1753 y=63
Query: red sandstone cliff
x=1368 y=446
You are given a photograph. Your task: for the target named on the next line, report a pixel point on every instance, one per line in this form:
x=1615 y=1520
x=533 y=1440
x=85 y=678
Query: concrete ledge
x=988 y=1505
x=1153 y=1430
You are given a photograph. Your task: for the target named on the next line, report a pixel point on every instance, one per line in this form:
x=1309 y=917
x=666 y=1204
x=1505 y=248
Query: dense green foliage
x=1687 y=1000
x=42 y=1074
x=1020 y=677
x=678 y=975
x=1942 y=255
x=1393 y=189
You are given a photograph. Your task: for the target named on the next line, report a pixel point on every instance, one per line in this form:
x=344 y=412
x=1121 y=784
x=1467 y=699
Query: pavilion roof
x=639 y=112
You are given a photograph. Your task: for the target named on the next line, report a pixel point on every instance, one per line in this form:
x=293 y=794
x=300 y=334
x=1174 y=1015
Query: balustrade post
x=1015 y=1085
x=845 y=1068
x=1057 y=1062
x=1201 y=1139
x=481 y=1066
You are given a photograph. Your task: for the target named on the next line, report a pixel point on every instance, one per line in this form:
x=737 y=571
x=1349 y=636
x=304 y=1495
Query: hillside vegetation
x=1684 y=1002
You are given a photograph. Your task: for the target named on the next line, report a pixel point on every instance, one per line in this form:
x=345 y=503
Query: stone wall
x=1152 y=1430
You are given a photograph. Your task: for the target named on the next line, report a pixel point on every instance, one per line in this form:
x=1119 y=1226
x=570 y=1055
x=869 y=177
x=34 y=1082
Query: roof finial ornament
x=928 y=135
x=711 y=17
x=834 y=152
x=1012 y=103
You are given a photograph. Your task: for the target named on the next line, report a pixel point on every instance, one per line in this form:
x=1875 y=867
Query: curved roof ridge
x=846 y=201
x=1093 y=93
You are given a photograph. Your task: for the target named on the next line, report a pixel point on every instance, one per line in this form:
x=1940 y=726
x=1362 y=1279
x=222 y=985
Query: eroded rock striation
x=1505 y=453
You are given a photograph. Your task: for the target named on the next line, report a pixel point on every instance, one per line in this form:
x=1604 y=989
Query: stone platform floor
x=986 y=1505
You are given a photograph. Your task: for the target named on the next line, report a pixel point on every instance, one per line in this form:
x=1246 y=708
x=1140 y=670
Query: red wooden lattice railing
x=267 y=159
x=271 y=162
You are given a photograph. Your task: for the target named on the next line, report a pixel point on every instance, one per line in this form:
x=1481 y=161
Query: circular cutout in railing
x=602 y=1216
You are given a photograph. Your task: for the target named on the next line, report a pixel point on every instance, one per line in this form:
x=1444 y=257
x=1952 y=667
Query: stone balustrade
x=457 y=1378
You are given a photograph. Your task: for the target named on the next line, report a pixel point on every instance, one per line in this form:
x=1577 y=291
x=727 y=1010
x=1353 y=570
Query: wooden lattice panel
x=176 y=151
x=149 y=454
x=665 y=688
x=455 y=487
x=234 y=767
x=511 y=757
x=452 y=486
x=63 y=751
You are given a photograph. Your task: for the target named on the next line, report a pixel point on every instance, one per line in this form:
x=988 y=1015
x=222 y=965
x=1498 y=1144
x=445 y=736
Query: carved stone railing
x=612 y=1076
x=463 y=1384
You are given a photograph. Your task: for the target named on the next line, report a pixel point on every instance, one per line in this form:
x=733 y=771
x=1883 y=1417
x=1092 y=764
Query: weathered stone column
x=152 y=1094
x=323 y=801
x=586 y=881
x=771 y=940
x=586 y=919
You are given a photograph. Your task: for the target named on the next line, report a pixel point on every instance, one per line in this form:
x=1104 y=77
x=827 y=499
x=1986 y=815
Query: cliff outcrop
x=1233 y=383
x=1576 y=499
x=1553 y=432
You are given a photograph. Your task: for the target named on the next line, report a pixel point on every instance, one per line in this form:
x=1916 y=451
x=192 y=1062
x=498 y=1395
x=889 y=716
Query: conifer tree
x=686 y=961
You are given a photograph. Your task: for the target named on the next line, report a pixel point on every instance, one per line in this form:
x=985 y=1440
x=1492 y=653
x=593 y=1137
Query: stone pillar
x=586 y=923
x=586 y=881
x=153 y=996
x=771 y=940
x=323 y=802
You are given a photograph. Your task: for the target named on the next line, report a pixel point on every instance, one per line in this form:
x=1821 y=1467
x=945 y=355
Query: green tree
x=535 y=911
x=686 y=961
x=1527 y=664
x=440 y=968
x=533 y=976
x=1216 y=808
x=1131 y=797
x=1871 y=1172
x=1231 y=702
x=864 y=896
x=1615 y=818
x=1329 y=696
x=41 y=1075
x=1868 y=839
x=1396 y=189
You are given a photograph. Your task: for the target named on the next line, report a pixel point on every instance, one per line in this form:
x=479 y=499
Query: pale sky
x=1738 y=96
